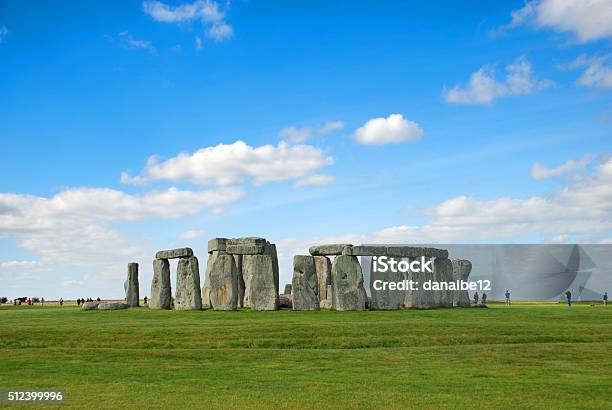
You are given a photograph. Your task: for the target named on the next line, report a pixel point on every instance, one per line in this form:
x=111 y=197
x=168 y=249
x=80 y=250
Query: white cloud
x=301 y=134
x=229 y=164
x=482 y=87
x=395 y=128
x=198 y=42
x=317 y=179
x=3 y=33
x=539 y=172
x=130 y=42
x=205 y=11
x=587 y=20
x=598 y=72
x=191 y=235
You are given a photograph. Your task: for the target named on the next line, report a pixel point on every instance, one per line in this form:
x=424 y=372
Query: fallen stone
x=260 y=290
x=90 y=305
x=224 y=283
x=161 y=290
x=364 y=250
x=461 y=271
x=111 y=305
x=323 y=267
x=330 y=249
x=188 y=296
x=217 y=244
x=174 y=253
x=385 y=298
x=132 y=294
x=416 y=251
x=305 y=285
x=287 y=289
x=347 y=284
x=443 y=272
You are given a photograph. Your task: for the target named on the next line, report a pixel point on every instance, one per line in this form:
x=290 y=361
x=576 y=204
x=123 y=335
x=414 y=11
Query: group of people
x=81 y=301
x=29 y=301
x=483 y=299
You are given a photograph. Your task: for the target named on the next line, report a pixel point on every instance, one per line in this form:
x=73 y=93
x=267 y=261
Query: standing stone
x=260 y=289
x=443 y=272
x=238 y=262
x=386 y=299
x=323 y=267
x=188 y=296
x=461 y=271
x=327 y=303
x=419 y=298
x=224 y=283
x=347 y=284
x=132 y=291
x=305 y=285
x=271 y=250
x=212 y=256
x=161 y=290
x=288 y=287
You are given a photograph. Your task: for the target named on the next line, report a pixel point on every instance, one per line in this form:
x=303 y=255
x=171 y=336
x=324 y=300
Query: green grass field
x=526 y=356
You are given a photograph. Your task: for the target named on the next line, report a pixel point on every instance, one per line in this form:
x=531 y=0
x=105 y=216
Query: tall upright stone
x=347 y=284
x=385 y=298
x=443 y=273
x=271 y=250
x=323 y=267
x=132 y=295
x=212 y=256
x=419 y=298
x=305 y=286
x=161 y=290
x=224 y=283
x=238 y=262
x=188 y=296
x=260 y=288
x=461 y=272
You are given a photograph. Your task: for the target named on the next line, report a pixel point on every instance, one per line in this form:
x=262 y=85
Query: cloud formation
x=129 y=42
x=316 y=180
x=482 y=86
x=539 y=172
x=587 y=20
x=597 y=71
x=301 y=134
x=207 y=12
x=230 y=164
x=393 y=129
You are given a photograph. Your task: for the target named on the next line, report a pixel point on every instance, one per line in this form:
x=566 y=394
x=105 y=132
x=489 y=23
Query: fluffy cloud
x=317 y=179
x=587 y=20
x=205 y=11
x=191 y=235
x=482 y=87
x=3 y=33
x=541 y=172
x=301 y=134
x=131 y=43
x=394 y=128
x=597 y=72
x=228 y=164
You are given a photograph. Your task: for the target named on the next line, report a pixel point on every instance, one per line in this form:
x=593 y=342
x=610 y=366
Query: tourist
x=145 y=299
x=61 y=302
x=78 y=302
x=42 y=301
x=605 y=299
x=484 y=298
x=29 y=301
x=475 y=298
x=568 y=296
x=98 y=299
x=507 y=294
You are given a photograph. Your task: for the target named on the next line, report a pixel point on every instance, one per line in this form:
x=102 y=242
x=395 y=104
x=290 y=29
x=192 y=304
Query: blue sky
x=360 y=121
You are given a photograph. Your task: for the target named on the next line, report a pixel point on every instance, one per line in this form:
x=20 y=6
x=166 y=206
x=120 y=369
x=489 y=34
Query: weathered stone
x=305 y=285
x=174 y=253
x=385 y=298
x=260 y=290
x=287 y=289
x=161 y=290
x=419 y=298
x=329 y=249
x=416 y=251
x=212 y=256
x=323 y=267
x=347 y=284
x=247 y=240
x=217 y=244
x=284 y=301
x=112 y=305
x=245 y=249
x=270 y=249
x=461 y=271
x=238 y=262
x=443 y=272
x=90 y=305
x=224 y=283
x=365 y=250
x=188 y=296
x=327 y=303
x=132 y=294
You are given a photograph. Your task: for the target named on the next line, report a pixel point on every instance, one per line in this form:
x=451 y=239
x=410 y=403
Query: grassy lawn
x=526 y=356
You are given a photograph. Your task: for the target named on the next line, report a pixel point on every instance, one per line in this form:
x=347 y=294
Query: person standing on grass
x=145 y=300
x=484 y=298
x=42 y=301
x=61 y=302
x=507 y=294
x=475 y=298
x=568 y=296
x=605 y=298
